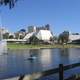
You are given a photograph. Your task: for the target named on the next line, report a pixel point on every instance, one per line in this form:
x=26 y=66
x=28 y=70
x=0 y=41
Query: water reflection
x=3 y=63
x=74 y=55
x=45 y=57
x=64 y=56
x=3 y=47
x=17 y=63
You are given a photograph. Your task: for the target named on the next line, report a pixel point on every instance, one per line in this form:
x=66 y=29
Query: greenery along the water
x=38 y=46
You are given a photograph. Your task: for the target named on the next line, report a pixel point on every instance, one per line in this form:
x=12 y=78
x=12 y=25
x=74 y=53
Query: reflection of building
x=74 y=55
x=45 y=58
x=3 y=63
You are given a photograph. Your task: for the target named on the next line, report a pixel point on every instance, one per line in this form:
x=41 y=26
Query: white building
x=28 y=35
x=44 y=35
x=73 y=37
x=3 y=30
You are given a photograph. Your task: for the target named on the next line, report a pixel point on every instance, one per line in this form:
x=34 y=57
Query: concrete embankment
x=26 y=77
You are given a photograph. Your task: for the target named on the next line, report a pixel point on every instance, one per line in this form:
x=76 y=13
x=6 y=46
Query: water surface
x=16 y=62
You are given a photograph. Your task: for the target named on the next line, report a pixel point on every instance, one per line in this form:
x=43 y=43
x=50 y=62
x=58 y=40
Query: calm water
x=16 y=62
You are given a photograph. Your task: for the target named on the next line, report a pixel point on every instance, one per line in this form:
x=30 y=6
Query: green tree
x=11 y=37
x=33 y=40
x=11 y=3
x=47 y=26
x=21 y=36
x=16 y=35
x=52 y=39
x=63 y=37
x=66 y=36
x=6 y=36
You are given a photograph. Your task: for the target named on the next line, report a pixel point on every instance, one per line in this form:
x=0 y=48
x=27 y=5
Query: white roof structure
x=28 y=35
x=44 y=35
x=74 y=37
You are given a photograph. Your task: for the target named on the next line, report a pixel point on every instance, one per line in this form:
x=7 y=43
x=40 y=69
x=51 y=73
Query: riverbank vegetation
x=39 y=46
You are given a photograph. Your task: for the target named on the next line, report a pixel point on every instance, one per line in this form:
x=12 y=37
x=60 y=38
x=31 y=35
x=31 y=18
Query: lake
x=16 y=63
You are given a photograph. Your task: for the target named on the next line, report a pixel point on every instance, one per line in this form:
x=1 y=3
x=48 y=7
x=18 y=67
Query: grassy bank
x=29 y=46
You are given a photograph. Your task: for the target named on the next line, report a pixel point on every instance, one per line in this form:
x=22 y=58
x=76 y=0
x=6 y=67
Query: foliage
x=47 y=26
x=52 y=39
x=21 y=36
x=33 y=40
x=11 y=37
x=63 y=37
x=16 y=35
x=11 y=3
x=6 y=36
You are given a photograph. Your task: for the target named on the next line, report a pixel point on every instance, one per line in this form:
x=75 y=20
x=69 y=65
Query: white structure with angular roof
x=44 y=35
x=28 y=35
x=74 y=37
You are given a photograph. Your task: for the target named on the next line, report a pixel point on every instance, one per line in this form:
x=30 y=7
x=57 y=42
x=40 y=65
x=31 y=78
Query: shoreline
x=25 y=46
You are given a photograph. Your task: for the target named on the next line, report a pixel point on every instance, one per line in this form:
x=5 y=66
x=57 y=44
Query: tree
x=21 y=36
x=47 y=26
x=11 y=3
x=63 y=37
x=6 y=36
x=33 y=40
x=16 y=35
x=11 y=37
x=54 y=39
x=51 y=39
x=66 y=36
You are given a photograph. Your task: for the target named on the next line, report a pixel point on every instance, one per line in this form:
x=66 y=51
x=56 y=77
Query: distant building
x=46 y=27
x=28 y=35
x=31 y=29
x=36 y=29
x=74 y=36
x=44 y=35
x=3 y=30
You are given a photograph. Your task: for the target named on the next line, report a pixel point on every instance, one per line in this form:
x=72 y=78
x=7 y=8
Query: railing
x=59 y=70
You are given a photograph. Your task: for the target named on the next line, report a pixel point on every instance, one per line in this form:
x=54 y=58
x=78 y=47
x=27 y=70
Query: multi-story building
x=31 y=29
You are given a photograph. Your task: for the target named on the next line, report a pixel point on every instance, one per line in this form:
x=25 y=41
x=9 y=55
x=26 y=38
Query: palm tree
x=11 y=3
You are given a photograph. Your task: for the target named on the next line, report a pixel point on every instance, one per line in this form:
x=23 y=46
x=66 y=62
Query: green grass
x=29 y=46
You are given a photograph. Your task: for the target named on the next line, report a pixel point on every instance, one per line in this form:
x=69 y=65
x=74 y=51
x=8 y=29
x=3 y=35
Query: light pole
x=1 y=34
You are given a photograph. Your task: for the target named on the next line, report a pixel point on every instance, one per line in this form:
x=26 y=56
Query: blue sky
x=60 y=14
